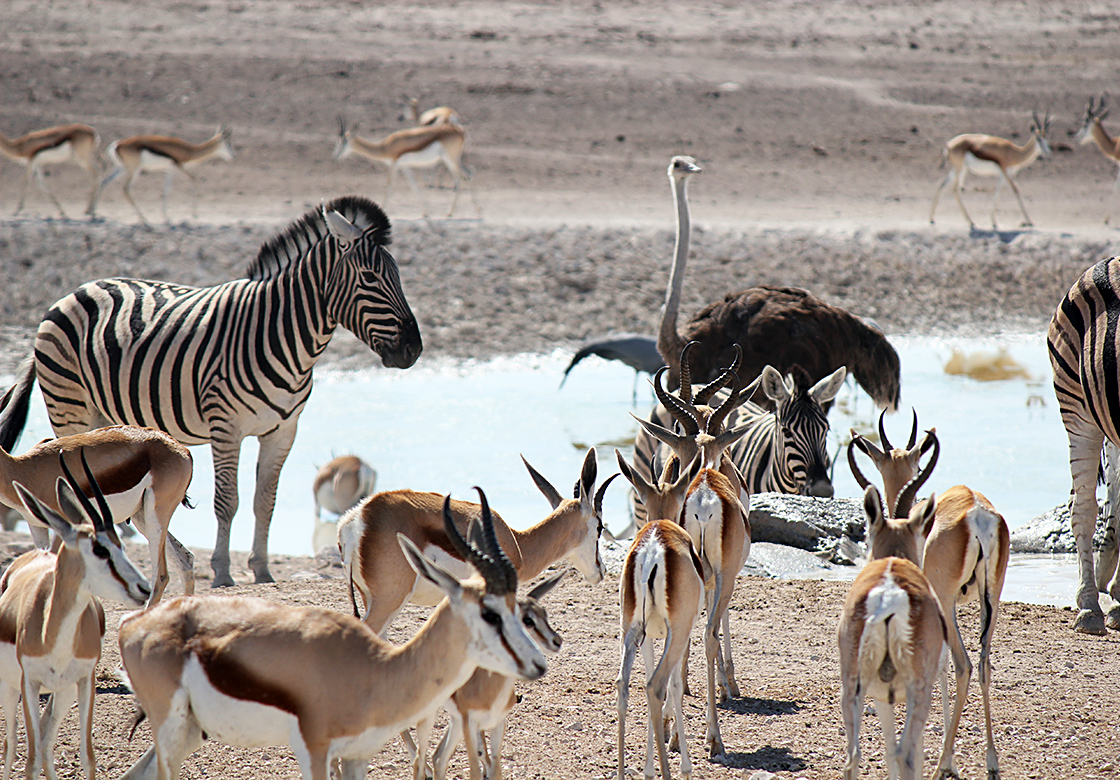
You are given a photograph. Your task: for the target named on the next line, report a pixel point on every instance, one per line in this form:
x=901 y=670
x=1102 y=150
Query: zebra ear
x=826 y=389
x=341 y=228
x=773 y=385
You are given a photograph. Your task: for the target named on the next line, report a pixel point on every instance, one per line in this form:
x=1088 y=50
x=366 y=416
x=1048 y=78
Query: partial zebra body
x=1083 y=355
x=218 y=364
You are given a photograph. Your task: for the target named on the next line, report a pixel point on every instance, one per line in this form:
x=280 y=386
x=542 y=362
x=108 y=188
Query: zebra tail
x=14 y=406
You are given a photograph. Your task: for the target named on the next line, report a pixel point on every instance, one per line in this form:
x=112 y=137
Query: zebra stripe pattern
x=1085 y=358
x=782 y=452
x=222 y=363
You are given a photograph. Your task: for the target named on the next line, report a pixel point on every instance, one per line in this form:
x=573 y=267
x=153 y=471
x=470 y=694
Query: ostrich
x=777 y=326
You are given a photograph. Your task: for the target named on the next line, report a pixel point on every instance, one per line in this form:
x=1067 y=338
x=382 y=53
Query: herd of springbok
x=438 y=138
x=221 y=668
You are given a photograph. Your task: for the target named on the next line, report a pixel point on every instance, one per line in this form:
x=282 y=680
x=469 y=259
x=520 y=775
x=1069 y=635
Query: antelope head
x=1040 y=128
x=901 y=469
x=1094 y=113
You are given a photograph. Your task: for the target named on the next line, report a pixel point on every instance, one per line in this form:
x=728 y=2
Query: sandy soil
x=820 y=129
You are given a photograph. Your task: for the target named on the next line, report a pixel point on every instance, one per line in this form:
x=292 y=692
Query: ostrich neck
x=669 y=341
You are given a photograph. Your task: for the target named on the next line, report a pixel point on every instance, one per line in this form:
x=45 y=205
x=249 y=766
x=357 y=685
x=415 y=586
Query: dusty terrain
x=820 y=129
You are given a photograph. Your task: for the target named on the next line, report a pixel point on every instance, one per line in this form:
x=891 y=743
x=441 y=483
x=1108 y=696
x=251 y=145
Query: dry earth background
x=819 y=127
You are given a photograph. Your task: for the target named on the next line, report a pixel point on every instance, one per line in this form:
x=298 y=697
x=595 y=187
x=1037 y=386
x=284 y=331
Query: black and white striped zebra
x=219 y=364
x=782 y=451
x=1085 y=357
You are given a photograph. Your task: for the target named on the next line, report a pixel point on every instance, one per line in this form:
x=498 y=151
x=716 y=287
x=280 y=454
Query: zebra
x=1085 y=358
x=783 y=450
x=218 y=364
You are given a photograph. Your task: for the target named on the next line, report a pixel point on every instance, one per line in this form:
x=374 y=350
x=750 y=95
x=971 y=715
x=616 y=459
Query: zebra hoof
x=222 y=581
x=1112 y=620
x=1090 y=622
x=264 y=576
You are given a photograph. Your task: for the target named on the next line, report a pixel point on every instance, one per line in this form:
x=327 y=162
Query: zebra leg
x=1084 y=459
x=1107 y=558
x=274 y=449
x=227 y=455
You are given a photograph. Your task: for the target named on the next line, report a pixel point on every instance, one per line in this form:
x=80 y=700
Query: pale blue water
x=445 y=427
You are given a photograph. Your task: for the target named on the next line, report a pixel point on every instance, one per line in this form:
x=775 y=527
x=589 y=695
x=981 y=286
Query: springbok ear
x=630 y=475
x=587 y=476
x=663 y=435
x=543 y=485
x=923 y=516
x=429 y=570
x=872 y=507
x=541 y=589
x=826 y=389
x=340 y=227
x=44 y=513
x=773 y=386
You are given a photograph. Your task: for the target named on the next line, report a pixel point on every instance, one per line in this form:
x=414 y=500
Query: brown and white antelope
x=223 y=666
x=661 y=592
x=479 y=710
x=385 y=583
x=892 y=639
x=140 y=153
x=1092 y=131
x=965 y=557
x=415 y=147
x=339 y=485
x=53 y=146
x=901 y=469
x=433 y=116
x=988 y=155
x=52 y=622
x=143 y=474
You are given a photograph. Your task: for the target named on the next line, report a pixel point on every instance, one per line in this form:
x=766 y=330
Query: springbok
x=433 y=116
x=965 y=556
x=415 y=147
x=892 y=638
x=385 y=583
x=988 y=155
x=52 y=622
x=661 y=592
x=222 y=667
x=716 y=522
x=483 y=704
x=339 y=485
x=903 y=475
x=132 y=156
x=1092 y=131
x=126 y=462
x=53 y=146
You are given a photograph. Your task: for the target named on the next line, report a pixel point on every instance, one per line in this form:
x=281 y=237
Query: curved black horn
x=713 y=387
x=715 y=422
x=909 y=493
x=913 y=430
x=483 y=563
x=96 y=517
x=887 y=447
x=686 y=373
x=680 y=411
x=495 y=551
x=602 y=491
x=861 y=480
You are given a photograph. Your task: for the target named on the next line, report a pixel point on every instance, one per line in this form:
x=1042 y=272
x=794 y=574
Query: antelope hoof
x=715 y=746
x=1090 y=622
x=949 y=772
x=1113 y=618
x=674 y=742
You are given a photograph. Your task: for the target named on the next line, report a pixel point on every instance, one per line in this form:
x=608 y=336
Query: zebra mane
x=279 y=253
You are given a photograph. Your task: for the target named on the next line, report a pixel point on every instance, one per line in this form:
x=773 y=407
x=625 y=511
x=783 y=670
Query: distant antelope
x=892 y=638
x=53 y=146
x=416 y=147
x=1092 y=131
x=133 y=156
x=988 y=155
x=339 y=485
x=132 y=466
x=965 y=555
x=661 y=592
x=53 y=622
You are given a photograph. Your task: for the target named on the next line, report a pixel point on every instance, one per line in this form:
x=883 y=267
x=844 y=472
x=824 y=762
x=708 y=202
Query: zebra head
x=364 y=292
x=802 y=426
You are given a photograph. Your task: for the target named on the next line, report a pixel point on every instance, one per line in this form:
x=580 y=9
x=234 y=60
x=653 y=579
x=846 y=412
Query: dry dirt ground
x=820 y=129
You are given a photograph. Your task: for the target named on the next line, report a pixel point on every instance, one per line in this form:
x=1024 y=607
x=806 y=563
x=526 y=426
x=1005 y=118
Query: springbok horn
x=682 y=413
x=541 y=588
x=910 y=492
x=861 y=480
x=602 y=491
x=495 y=549
x=341 y=125
x=887 y=447
x=913 y=430
x=715 y=422
x=485 y=565
x=709 y=390
x=95 y=516
x=686 y=373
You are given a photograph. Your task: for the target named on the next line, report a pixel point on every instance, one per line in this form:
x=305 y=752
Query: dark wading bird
x=777 y=326
x=637 y=351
